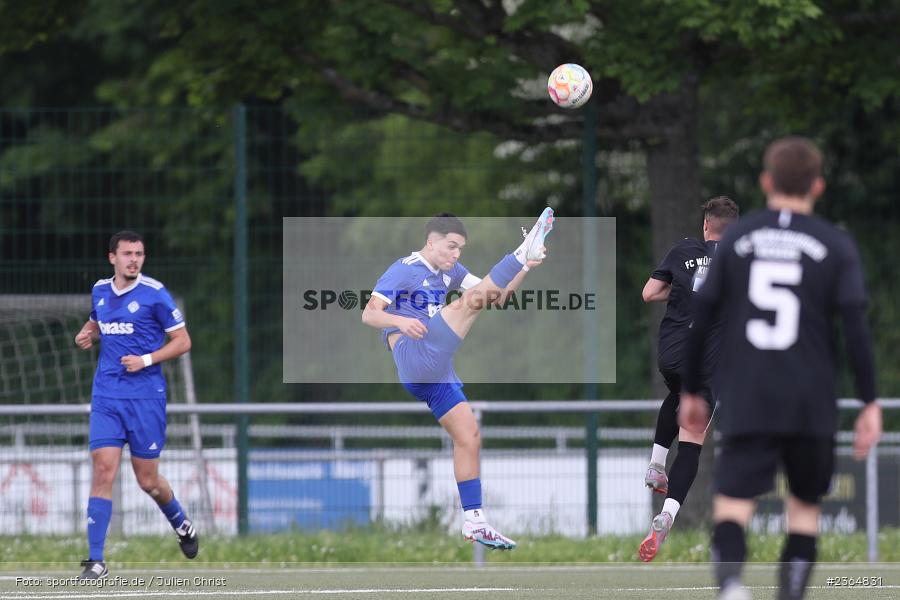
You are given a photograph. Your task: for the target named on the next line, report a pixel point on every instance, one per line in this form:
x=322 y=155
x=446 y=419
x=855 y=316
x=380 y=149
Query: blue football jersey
x=413 y=288
x=132 y=321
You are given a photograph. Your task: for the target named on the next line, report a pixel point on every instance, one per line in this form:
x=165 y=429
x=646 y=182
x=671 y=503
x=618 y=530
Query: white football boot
x=533 y=246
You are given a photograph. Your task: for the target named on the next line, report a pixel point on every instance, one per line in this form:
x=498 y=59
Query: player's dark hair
x=794 y=163
x=721 y=212
x=445 y=223
x=123 y=236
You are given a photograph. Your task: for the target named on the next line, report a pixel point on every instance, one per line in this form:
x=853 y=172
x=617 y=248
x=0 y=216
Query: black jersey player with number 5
x=780 y=280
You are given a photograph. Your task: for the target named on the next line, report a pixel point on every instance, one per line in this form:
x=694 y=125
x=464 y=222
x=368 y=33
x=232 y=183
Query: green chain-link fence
x=69 y=178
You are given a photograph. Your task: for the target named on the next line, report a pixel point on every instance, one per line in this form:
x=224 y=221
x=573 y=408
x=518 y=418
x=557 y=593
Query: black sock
x=728 y=552
x=797 y=561
x=667 y=422
x=684 y=470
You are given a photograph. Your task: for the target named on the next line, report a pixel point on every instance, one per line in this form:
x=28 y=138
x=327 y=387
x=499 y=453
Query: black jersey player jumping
x=678 y=276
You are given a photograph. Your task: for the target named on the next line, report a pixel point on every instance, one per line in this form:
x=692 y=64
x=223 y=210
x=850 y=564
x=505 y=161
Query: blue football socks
x=470 y=493
x=99 y=511
x=173 y=512
x=504 y=271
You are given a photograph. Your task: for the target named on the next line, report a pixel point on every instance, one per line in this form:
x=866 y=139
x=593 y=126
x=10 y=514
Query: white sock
x=520 y=253
x=476 y=515
x=671 y=506
x=659 y=455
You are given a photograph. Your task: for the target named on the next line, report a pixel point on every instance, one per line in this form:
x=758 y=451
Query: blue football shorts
x=139 y=422
x=426 y=368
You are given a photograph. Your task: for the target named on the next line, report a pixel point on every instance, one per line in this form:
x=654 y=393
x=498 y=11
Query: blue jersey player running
x=130 y=316
x=423 y=332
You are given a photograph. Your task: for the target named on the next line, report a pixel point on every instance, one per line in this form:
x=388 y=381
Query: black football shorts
x=746 y=465
x=673 y=382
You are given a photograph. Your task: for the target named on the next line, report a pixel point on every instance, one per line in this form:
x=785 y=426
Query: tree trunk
x=673 y=168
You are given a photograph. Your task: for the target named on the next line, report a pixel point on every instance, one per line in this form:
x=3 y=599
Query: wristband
x=148 y=360
x=525 y=268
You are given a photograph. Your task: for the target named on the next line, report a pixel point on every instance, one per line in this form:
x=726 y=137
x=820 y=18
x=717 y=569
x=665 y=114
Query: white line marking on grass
x=114 y=594
x=663 y=589
x=73 y=595
x=852 y=587
x=749 y=587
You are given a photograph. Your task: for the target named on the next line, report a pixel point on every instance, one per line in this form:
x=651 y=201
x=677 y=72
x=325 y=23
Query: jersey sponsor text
x=116 y=328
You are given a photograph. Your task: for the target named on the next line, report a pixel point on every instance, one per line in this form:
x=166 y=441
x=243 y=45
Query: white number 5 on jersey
x=764 y=275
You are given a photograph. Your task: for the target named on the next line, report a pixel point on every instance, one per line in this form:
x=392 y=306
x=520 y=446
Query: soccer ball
x=569 y=85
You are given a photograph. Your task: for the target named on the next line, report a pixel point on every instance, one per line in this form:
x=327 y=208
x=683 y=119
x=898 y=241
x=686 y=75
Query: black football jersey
x=684 y=267
x=778 y=282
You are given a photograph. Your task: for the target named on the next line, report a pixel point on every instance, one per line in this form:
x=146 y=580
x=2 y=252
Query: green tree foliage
x=386 y=107
x=688 y=92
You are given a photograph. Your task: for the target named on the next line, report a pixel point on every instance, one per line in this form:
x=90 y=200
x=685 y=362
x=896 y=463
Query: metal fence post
x=478 y=549
x=78 y=519
x=872 y=503
x=590 y=451
x=241 y=359
x=589 y=272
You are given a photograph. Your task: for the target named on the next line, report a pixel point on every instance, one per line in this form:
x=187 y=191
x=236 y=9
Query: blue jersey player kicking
x=423 y=333
x=131 y=314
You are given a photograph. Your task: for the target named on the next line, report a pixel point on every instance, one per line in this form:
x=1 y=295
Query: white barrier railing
x=480 y=408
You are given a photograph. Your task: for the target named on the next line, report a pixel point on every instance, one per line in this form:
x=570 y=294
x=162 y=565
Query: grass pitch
x=375 y=564
x=374 y=582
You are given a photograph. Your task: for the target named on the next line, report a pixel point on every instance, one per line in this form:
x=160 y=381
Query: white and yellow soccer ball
x=570 y=85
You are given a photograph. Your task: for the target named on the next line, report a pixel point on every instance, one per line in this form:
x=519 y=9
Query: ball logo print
x=569 y=85
x=347 y=300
